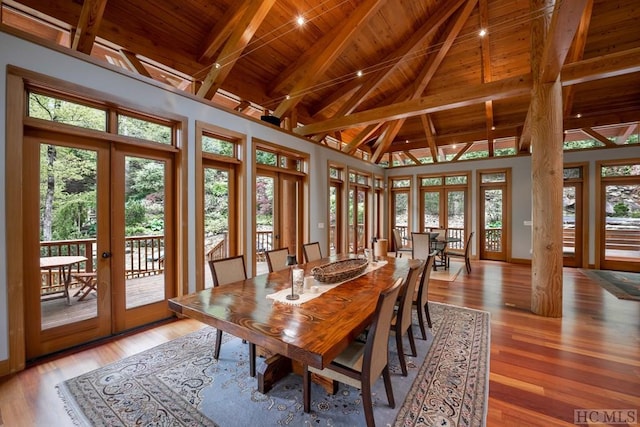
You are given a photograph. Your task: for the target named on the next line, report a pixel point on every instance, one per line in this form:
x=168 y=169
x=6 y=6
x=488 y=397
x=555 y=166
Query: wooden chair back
x=227 y=270
x=277 y=259
x=311 y=251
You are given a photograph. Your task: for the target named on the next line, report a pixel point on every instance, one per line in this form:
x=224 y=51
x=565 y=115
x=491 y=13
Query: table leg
x=65 y=275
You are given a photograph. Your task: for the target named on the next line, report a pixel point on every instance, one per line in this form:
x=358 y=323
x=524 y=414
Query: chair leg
x=386 y=376
x=426 y=311
x=403 y=363
x=468 y=264
x=306 y=389
x=421 y=323
x=412 y=342
x=252 y=359
x=216 y=351
x=367 y=404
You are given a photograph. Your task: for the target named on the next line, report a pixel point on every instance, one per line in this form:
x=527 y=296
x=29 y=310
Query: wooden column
x=547 y=187
x=547 y=176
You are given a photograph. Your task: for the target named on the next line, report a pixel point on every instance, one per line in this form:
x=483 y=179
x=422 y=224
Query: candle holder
x=291 y=261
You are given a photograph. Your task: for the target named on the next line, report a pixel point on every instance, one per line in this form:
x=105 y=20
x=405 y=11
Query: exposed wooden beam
x=599 y=137
x=233 y=48
x=622 y=138
x=361 y=138
x=134 y=63
x=413 y=158
x=222 y=30
x=88 y=25
x=315 y=68
x=445 y=100
x=429 y=132
x=576 y=53
x=602 y=67
x=462 y=151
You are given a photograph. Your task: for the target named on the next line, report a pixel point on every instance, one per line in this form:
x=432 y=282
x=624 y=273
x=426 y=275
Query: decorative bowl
x=339 y=271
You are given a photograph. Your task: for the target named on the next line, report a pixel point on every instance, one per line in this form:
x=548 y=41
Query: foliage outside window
x=144 y=129
x=401 y=183
x=63 y=111
x=431 y=181
x=493 y=177
x=216 y=145
x=456 y=180
x=279 y=160
x=572 y=173
x=335 y=173
x=476 y=154
x=632 y=169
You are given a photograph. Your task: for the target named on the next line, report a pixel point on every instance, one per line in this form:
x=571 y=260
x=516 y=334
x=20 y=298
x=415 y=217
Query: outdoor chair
x=361 y=364
x=311 y=251
x=277 y=259
x=224 y=271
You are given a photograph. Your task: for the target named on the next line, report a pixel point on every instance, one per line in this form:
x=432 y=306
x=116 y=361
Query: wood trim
x=14 y=226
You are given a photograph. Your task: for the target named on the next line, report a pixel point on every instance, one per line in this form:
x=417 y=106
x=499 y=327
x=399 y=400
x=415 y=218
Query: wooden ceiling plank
x=233 y=48
x=396 y=58
x=427 y=73
x=134 y=63
x=222 y=30
x=599 y=137
x=315 y=68
x=445 y=100
x=88 y=25
x=602 y=67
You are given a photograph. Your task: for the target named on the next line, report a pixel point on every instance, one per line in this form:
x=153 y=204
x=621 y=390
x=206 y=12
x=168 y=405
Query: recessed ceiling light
x=359 y=73
x=287 y=97
x=217 y=65
x=482 y=32
x=578 y=115
x=300 y=20
x=493 y=128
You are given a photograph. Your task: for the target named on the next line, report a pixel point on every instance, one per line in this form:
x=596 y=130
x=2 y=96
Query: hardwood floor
x=542 y=369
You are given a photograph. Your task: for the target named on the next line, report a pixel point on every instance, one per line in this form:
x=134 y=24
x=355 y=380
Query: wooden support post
x=547 y=187
x=545 y=114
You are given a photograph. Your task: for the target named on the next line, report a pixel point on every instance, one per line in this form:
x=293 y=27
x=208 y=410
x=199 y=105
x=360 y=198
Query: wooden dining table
x=313 y=332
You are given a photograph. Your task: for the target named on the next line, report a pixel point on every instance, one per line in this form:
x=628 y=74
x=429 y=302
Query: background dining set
x=435 y=240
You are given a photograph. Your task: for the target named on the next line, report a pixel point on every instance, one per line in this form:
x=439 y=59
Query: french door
x=494 y=219
x=278 y=204
x=92 y=267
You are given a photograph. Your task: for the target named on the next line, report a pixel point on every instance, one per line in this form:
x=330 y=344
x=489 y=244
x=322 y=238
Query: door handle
x=106 y=255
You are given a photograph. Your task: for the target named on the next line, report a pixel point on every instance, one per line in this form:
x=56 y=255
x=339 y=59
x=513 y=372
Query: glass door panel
x=572 y=225
x=216 y=218
x=456 y=217
x=491 y=233
x=335 y=227
x=621 y=234
x=401 y=213
x=144 y=231
x=431 y=210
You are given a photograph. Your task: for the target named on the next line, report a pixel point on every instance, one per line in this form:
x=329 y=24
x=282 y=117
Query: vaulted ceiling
x=404 y=81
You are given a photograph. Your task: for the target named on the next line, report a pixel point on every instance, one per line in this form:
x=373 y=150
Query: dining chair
x=420 y=245
x=401 y=322
x=277 y=259
x=224 y=271
x=421 y=295
x=460 y=253
x=361 y=363
x=399 y=246
x=311 y=251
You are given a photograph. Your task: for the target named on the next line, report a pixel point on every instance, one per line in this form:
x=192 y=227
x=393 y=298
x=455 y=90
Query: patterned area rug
x=622 y=284
x=180 y=384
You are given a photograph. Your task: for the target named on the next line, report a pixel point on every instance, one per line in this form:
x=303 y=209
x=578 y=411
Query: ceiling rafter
x=315 y=68
x=622 y=138
x=598 y=136
x=429 y=132
x=483 y=8
x=88 y=25
x=427 y=73
x=576 y=53
x=222 y=30
x=236 y=43
x=134 y=63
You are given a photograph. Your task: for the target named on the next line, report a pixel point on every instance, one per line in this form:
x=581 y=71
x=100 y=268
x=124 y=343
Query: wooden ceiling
x=408 y=77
